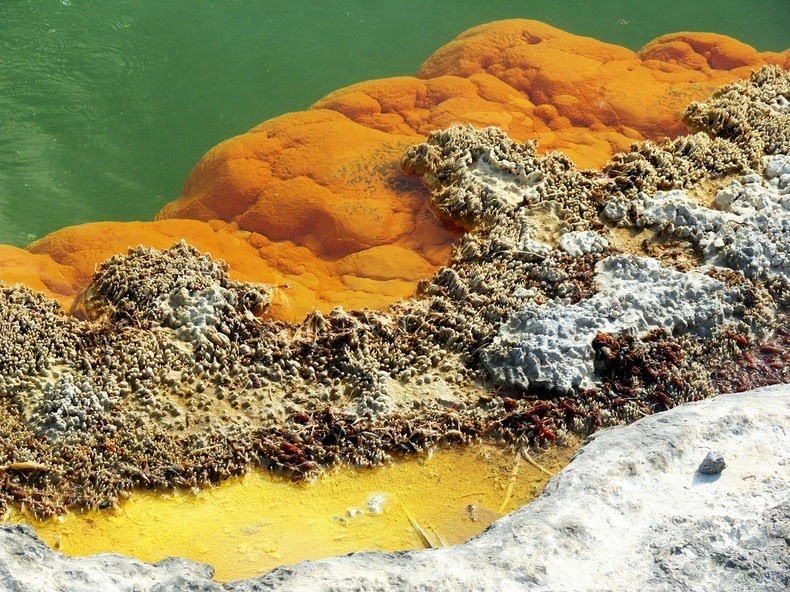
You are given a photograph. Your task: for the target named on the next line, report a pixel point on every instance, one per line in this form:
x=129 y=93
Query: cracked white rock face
x=631 y=512
x=551 y=345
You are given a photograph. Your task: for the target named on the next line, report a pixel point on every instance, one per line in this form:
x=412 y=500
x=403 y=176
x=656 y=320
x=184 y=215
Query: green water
x=105 y=105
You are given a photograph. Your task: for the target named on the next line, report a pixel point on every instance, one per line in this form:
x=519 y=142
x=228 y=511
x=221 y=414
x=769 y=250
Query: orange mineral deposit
x=315 y=201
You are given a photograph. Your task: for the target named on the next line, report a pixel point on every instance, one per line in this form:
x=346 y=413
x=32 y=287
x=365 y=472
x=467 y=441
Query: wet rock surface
x=630 y=511
x=545 y=322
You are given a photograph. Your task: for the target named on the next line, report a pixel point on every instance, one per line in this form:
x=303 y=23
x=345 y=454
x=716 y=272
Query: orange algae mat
x=315 y=203
x=249 y=525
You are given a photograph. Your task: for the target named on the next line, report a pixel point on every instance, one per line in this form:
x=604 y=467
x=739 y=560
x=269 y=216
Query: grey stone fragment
x=712 y=464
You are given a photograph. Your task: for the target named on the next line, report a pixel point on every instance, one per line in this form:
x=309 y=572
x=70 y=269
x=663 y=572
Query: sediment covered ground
x=640 y=507
x=575 y=299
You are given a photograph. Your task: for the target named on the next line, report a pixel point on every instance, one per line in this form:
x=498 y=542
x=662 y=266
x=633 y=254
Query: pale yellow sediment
x=249 y=525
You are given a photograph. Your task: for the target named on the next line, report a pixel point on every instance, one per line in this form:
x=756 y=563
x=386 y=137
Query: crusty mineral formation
x=314 y=202
x=631 y=511
x=548 y=319
x=552 y=345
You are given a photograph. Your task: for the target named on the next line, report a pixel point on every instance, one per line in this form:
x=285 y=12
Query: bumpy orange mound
x=62 y=263
x=315 y=202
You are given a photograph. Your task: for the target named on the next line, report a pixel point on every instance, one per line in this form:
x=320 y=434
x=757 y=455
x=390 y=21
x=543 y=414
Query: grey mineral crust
x=551 y=345
x=746 y=227
x=630 y=512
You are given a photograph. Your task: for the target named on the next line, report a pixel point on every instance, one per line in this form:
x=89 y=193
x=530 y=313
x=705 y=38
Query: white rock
x=578 y=243
x=497 y=178
x=748 y=231
x=195 y=316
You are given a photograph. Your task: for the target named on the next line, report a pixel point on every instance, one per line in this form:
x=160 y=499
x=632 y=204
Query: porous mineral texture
x=745 y=227
x=631 y=511
x=315 y=202
x=552 y=346
x=553 y=316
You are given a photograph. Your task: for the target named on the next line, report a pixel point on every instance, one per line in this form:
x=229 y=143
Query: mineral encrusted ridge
x=170 y=374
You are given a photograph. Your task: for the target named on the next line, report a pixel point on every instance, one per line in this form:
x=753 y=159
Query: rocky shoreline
x=633 y=510
x=575 y=300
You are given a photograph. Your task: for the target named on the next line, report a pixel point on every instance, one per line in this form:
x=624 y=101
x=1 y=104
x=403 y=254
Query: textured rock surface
x=546 y=322
x=28 y=564
x=315 y=200
x=551 y=346
x=631 y=511
x=745 y=226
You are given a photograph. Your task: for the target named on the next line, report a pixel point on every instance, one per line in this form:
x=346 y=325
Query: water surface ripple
x=106 y=106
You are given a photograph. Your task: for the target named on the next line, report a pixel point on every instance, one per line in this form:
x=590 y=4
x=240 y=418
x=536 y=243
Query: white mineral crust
x=748 y=227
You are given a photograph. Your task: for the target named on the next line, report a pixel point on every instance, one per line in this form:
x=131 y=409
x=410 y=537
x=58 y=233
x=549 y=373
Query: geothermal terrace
x=552 y=301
